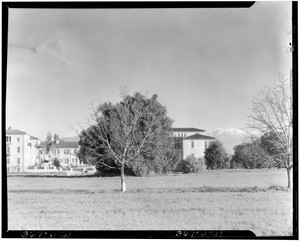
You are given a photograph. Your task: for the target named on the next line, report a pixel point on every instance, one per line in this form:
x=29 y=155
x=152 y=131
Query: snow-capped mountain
x=229 y=137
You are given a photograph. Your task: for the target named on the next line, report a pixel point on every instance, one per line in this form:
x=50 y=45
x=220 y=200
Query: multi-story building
x=193 y=141
x=21 y=150
x=65 y=151
x=24 y=150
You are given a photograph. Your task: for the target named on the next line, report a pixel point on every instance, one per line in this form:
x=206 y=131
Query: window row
x=58 y=151
x=179 y=134
x=206 y=143
x=68 y=161
x=8 y=139
x=8 y=150
x=18 y=160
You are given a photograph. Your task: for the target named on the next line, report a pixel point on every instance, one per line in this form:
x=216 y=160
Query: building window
x=18 y=160
x=192 y=144
x=73 y=160
x=8 y=139
x=18 y=149
x=7 y=150
x=184 y=134
x=67 y=161
x=57 y=151
x=66 y=151
x=205 y=143
x=8 y=161
x=18 y=139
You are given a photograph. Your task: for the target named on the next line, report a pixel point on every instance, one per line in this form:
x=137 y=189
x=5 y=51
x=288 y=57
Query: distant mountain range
x=229 y=137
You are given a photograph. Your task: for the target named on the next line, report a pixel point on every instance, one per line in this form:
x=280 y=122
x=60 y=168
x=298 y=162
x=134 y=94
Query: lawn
x=253 y=200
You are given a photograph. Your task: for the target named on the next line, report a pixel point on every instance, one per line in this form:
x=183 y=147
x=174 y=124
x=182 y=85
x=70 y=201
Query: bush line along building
x=24 y=151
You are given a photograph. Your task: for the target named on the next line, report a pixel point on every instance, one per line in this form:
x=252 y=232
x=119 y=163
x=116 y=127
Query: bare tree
x=272 y=112
x=125 y=131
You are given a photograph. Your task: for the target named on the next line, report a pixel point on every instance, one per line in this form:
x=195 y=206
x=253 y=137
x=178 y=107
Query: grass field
x=253 y=200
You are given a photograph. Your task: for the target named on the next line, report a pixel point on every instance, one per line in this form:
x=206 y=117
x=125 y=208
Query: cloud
x=23 y=47
x=55 y=48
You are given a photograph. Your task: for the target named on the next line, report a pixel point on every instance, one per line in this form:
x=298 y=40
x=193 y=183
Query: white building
x=65 y=151
x=193 y=141
x=21 y=150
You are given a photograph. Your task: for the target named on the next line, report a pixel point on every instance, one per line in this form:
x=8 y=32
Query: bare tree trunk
x=123 y=184
x=289 y=176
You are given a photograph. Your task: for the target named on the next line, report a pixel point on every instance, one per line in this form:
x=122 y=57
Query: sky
x=205 y=65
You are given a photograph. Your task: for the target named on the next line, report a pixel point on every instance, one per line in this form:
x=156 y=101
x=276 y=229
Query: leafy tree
x=215 y=156
x=272 y=113
x=192 y=164
x=50 y=145
x=250 y=155
x=271 y=144
x=178 y=153
x=123 y=135
x=56 y=163
x=239 y=158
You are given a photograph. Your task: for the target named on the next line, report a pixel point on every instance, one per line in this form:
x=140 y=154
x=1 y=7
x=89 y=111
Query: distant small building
x=193 y=141
x=65 y=151
x=21 y=150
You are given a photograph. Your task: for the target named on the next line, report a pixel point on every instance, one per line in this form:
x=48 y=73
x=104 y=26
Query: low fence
x=71 y=170
x=42 y=170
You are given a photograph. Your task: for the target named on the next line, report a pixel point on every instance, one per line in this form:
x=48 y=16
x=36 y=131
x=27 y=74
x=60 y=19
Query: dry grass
x=237 y=199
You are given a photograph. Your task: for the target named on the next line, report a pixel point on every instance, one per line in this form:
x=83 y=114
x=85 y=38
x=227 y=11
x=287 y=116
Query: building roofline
x=188 y=129
x=15 y=132
x=62 y=144
x=199 y=137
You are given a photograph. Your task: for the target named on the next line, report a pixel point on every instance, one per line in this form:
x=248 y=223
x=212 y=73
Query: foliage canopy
x=133 y=134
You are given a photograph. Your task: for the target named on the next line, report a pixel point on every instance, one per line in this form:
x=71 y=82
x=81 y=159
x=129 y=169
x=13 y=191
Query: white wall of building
x=22 y=152
x=15 y=150
x=197 y=148
x=67 y=156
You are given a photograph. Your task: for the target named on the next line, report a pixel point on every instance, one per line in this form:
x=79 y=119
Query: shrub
x=216 y=156
x=56 y=163
x=192 y=164
x=140 y=169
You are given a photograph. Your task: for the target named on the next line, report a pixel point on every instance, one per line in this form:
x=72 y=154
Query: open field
x=227 y=199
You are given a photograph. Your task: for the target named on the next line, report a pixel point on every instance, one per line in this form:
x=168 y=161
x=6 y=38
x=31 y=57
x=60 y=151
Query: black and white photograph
x=144 y=117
